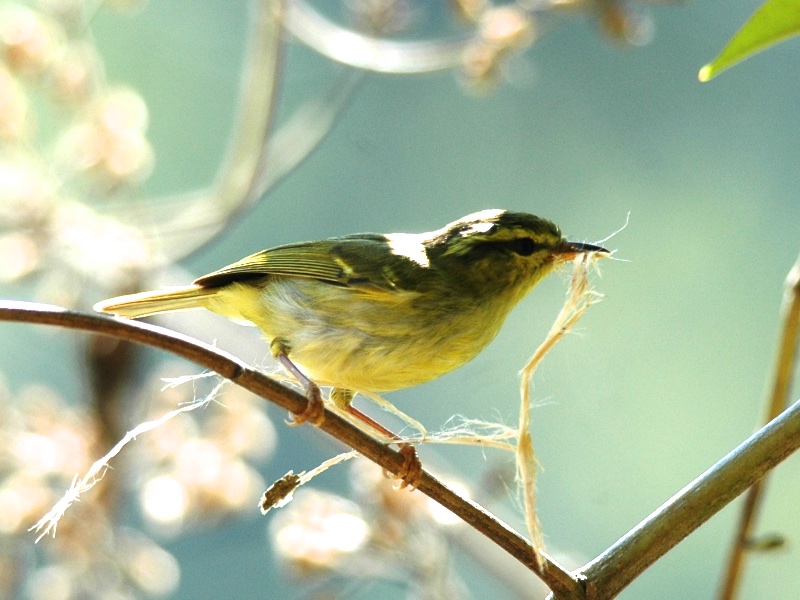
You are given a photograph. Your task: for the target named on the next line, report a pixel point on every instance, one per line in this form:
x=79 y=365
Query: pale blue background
x=665 y=376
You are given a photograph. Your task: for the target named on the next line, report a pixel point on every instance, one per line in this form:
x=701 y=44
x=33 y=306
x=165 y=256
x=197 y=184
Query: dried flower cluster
x=44 y=442
x=55 y=182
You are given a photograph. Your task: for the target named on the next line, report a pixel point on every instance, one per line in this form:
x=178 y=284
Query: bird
x=374 y=312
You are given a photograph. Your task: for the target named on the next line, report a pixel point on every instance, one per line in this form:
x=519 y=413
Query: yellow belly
x=359 y=340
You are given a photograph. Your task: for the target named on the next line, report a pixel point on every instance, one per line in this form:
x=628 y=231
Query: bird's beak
x=569 y=250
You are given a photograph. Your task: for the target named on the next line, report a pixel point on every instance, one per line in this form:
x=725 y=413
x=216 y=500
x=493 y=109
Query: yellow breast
x=362 y=341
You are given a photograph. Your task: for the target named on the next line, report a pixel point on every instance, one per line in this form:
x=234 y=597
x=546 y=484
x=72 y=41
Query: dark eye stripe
x=524 y=246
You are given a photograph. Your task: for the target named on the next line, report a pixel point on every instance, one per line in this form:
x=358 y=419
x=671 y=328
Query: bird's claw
x=314 y=411
x=411 y=473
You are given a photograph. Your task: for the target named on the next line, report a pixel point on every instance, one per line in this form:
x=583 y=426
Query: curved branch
x=201 y=215
x=260 y=156
x=230 y=367
x=369 y=53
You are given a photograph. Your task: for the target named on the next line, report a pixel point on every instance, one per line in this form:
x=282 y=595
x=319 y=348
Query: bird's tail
x=157 y=301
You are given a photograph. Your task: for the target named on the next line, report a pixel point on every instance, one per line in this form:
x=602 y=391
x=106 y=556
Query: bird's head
x=498 y=249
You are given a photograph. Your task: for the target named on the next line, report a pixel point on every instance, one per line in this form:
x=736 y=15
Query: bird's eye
x=523 y=246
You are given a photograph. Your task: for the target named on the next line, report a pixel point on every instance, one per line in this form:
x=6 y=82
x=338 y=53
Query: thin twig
x=280 y=493
x=614 y=569
x=778 y=398
x=230 y=367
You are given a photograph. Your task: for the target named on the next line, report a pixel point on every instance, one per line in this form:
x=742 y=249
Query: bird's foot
x=411 y=473
x=314 y=411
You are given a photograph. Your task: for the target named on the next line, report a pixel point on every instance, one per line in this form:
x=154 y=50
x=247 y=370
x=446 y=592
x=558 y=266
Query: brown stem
x=111 y=366
x=563 y=584
x=778 y=398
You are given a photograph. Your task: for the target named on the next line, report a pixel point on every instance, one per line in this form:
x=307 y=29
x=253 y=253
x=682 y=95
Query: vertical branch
x=779 y=396
x=111 y=366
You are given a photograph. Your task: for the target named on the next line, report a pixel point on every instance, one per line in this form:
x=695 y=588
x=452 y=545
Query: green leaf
x=773 y=22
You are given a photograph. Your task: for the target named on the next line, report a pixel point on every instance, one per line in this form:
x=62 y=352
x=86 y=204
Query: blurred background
x=593 y=117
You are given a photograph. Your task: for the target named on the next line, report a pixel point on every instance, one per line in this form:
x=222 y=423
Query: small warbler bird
x=376 y=313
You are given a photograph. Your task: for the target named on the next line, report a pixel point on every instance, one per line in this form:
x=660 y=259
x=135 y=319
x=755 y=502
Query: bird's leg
x=344 y=400
x=315 y=409
x=412 y=466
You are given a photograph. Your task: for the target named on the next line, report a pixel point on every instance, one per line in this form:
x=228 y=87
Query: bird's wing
x=362 y=261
